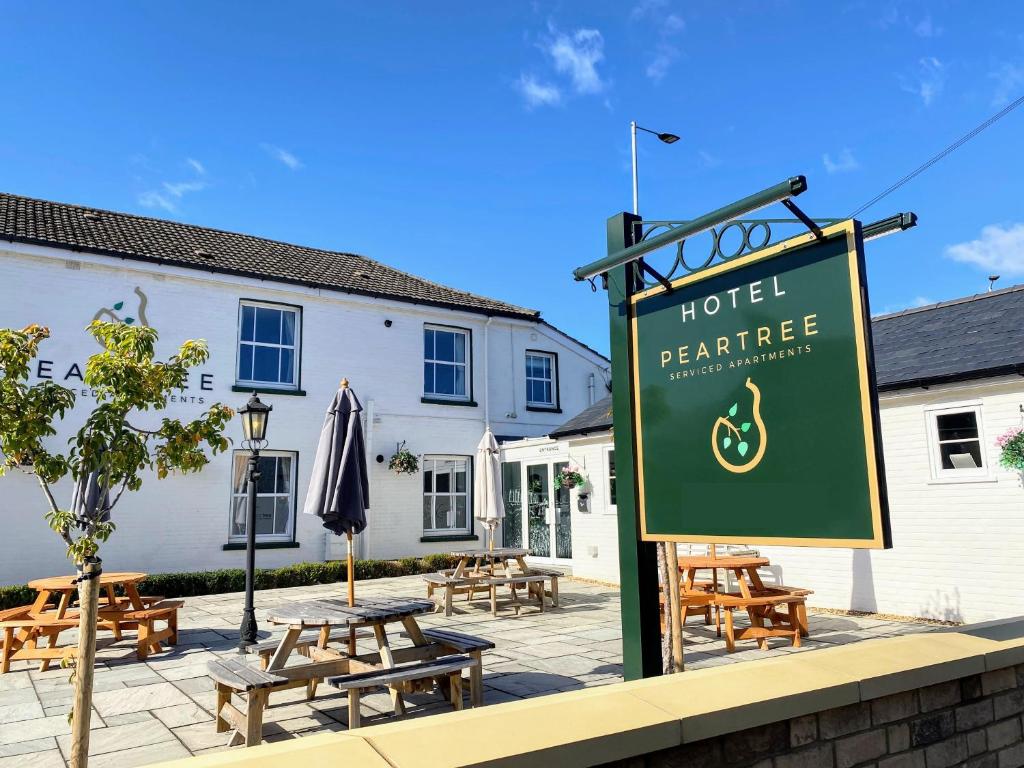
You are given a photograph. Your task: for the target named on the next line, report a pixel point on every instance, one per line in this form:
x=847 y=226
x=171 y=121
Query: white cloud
x=843 y=164
x=536 y=93
x=153 y=199
x=180 y=188
x=196 y=166
x=283 y=156
x=577 y=56
x=664 y=55
x=999 y=250
x=927 y=81
x=927 y=28
x=656 y=14
x=707 y=159
x=1009 y=78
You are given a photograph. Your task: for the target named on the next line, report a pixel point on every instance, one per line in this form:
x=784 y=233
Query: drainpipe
x=590 y=390
x=487 y=378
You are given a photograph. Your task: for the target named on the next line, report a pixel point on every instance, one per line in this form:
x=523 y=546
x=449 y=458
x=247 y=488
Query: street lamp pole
x=667 y=138
x=255 y=416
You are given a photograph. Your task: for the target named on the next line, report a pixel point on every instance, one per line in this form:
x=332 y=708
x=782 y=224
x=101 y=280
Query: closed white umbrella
x=488 y=507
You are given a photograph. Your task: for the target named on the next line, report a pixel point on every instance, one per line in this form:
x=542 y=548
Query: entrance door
x=563 y=518
x=512 y=490
x=538 y=479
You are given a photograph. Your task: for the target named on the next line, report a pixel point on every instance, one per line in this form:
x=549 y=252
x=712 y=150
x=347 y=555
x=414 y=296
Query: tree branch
x=117 y=497
x=49 y=494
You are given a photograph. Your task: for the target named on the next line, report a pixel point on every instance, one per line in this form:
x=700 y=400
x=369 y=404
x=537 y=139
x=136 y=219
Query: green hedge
x=233 y=579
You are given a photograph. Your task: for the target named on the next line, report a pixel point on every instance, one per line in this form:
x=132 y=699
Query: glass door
x=563 y=518
x=512 y=489
x=538 y=480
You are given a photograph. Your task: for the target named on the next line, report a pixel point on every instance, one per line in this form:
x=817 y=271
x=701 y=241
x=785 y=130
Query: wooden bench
x=145 y=619
x=553 y=576
x=452 y=586
x=445 y=666
x=692 y=603
x=23 y=632
x=471 y=646
x=512 y=582
x=231 y=676
x=761 y=608
x=800 y=609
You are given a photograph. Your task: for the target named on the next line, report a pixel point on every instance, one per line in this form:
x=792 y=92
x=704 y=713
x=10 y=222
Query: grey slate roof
x=41 y=222
x=968 y=338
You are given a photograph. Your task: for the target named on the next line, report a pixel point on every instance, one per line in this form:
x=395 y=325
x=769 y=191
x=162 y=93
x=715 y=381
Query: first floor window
x=446 y=502
x=275 y=496
x=956 y=441
x=268 y=346
x=612 y=502
x=540 y=379
x=446 y=368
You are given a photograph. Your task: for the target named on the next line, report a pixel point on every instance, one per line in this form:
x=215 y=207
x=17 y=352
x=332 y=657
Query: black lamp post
x=255 y=416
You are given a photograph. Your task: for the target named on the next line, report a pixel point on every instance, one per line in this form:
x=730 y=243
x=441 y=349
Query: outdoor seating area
x=169 y=706
x=491 y=572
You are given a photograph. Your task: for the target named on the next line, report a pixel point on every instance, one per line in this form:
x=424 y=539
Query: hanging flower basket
x=569 y=477
x=403 y=461
x=1011 y=448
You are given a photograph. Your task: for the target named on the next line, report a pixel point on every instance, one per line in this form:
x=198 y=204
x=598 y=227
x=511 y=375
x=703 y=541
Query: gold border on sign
x=859 y=319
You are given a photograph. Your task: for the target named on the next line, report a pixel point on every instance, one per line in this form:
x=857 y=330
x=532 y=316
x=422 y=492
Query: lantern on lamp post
x=255 y=416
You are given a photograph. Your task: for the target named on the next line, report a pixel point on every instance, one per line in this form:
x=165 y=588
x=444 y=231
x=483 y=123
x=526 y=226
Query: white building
x=431 y=365
x=950 y=382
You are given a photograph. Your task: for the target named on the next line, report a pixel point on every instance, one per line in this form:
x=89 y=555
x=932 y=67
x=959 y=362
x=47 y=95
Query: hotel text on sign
x=754 y=399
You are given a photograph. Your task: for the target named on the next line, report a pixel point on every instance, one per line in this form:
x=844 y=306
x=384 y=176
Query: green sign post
x=743 y=394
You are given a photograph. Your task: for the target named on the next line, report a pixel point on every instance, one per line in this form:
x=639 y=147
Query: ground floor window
x=956 y=442
x=612 y=499
x=446 y=502
x=275 y=496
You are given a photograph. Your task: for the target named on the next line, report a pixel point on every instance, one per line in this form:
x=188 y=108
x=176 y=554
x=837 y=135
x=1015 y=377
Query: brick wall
x=974 y=722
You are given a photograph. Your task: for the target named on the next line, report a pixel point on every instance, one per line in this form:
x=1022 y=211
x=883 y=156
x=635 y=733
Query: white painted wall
x=182 y=523
x=957 y=546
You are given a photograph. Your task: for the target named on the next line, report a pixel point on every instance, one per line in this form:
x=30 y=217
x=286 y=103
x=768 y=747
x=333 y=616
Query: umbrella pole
x=350 y=570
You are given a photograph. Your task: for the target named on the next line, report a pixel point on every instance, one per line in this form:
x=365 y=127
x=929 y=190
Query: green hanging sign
x=755 y=413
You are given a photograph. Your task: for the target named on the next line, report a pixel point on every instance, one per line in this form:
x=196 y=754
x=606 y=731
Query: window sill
x=543 y=409
x=454 y=537
x=265 y=390
x=234 y=545
x=959 y=480
x=442 y=401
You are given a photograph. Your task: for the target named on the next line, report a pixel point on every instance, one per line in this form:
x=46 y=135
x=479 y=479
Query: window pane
x=460 y=347
x=545 y=367
x=460 y=478
x=611 y=477
x=546 y=397
x=241 y=473
x=460 y=380
x=531 y=391
x=283 y=482
x=445 y=350
x=441 y=506
x=268 y=325
x=444 y=382
x=245 y=362
x=427 y=510
x=428 y=478
x=428 y=379
x=529 y=367
x=238 y=516
x=287 y=368
x=264 y=515
x=966 y=455
x=428 y=344
x=288 y=327
x=265 y=364
x=283 y=513
x=957 y=426
x=248 y=322
x=268 y=474
x=444 y=482
x=460 y=512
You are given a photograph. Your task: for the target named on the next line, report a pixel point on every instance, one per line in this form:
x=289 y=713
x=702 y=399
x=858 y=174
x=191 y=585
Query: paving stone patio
x=162 y=709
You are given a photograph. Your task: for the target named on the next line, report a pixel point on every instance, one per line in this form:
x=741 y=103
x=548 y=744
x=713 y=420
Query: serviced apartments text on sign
x=755 y=406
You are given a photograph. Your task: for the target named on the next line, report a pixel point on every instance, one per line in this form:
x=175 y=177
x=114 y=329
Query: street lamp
x=255 y=416
x=667 y=138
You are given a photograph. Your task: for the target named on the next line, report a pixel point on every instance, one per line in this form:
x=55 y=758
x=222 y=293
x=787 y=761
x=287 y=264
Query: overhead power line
x=932 y=161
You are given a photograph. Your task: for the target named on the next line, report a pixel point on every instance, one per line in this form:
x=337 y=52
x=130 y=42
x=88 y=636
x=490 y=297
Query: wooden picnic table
x=484 y=561
x=65 y=588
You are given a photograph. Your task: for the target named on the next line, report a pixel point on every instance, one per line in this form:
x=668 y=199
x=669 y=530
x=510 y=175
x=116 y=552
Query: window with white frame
x=268 y=345
x=956 y=440
x=275 y=496
x=446 y=499
x=541 y=379
x=612 y=500
x=446 y=367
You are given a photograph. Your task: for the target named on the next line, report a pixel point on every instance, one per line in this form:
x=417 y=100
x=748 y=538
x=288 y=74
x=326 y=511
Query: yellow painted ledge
x=612 y=722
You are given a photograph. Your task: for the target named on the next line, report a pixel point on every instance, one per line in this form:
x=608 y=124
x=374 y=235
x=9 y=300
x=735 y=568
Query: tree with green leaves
x=108 y=455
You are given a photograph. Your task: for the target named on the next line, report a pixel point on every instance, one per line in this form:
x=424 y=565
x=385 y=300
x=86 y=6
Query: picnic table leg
x=455 y=683
x=5 y=654
x=254 y=717
x=388 y=662
x=353 y=708
x=494 y=599
x=730 y=641
x=284 y=649
x=757 y=620
x=554 y=591
x=476 y=680
x=449 y=593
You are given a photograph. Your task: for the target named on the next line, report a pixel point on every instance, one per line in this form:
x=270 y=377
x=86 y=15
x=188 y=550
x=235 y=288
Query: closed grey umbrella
x=338 y=489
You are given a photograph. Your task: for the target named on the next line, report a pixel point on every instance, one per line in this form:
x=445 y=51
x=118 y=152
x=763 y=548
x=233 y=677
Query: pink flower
x=1011 y=434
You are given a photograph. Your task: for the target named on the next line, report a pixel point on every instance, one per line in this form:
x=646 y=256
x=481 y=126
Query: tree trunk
x=675 y=623
x=88 y=597
x=666 y=636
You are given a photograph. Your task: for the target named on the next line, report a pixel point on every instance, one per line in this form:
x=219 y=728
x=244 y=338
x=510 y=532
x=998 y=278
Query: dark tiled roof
x=41 y=222
x=968 y=338
x=596 y=418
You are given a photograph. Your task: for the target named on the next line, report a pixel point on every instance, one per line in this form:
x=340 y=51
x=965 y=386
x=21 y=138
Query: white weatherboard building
x=951 y=380
x=431 y=365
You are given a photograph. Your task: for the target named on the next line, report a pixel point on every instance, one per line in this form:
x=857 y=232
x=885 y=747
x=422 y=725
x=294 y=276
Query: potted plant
x=569 y=477
x=403 y=461
x=1011 y=448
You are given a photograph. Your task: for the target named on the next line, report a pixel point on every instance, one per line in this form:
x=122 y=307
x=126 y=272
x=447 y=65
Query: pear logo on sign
x=732 y=434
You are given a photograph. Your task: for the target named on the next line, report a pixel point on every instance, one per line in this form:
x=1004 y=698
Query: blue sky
x=484 y=145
